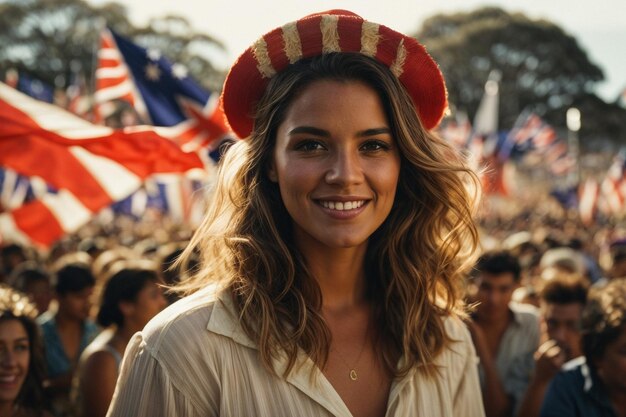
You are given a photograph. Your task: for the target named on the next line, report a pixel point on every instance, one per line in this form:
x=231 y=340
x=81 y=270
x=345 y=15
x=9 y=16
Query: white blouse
x=194 y=360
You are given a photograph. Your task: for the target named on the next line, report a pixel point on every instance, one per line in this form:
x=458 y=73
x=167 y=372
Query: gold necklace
x=353 y=375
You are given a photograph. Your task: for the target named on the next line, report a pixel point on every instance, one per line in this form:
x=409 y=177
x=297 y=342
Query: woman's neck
x=340 y=274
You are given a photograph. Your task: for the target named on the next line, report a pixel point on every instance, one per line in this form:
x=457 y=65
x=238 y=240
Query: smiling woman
x=21 y=357
x=334 y=248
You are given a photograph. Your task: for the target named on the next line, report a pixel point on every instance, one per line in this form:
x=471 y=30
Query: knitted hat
x=327 y=32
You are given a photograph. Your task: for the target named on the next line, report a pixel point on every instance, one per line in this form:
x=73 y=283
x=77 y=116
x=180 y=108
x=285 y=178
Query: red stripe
x=276 y=49
x=349 y=30
x=143 y=153
x=37 y=221
x=310 y=32
x=103 y=83
x=109 y=62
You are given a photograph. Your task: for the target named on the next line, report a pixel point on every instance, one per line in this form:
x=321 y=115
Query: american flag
x=89 y=166
x=613 y=187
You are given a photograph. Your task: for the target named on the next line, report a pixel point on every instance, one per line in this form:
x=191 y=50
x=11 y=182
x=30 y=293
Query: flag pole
x=573 y=142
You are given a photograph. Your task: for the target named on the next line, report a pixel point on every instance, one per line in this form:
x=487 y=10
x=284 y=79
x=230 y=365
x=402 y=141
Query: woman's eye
x=309 y=146
x=375 y=145
x=22 y=347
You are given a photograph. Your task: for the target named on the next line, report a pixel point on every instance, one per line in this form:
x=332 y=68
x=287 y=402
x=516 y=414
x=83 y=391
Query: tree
x=51 y=38
x=543 y=68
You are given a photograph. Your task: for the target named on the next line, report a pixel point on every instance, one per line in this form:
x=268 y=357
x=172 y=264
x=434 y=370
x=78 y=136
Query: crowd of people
x=334 y=272
x=549 y=315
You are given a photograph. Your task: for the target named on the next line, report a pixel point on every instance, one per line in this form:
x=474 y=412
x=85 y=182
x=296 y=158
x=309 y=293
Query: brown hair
x=565 y=289
x=604 y=318
x=16 y=306
x=415 y=259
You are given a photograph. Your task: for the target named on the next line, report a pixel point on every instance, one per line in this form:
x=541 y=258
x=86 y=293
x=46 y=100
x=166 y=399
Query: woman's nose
x=344 y=168
x=7 y=359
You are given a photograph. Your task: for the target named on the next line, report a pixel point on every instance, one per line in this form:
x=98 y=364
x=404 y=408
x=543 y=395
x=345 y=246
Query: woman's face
x=14 y=358
x=336 y=164
x=149 y=302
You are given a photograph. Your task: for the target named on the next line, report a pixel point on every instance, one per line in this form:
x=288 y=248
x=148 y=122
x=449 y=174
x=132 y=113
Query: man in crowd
x=594 y=385
x=67 y=331
x=562 y=301
x=502 y=331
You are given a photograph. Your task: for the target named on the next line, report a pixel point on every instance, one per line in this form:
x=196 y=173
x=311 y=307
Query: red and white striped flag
x=90 y=166
x=114 y=80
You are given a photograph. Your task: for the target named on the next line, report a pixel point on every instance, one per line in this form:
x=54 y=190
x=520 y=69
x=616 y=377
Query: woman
x=130 y=298
x=21 y=357
x=335 y=243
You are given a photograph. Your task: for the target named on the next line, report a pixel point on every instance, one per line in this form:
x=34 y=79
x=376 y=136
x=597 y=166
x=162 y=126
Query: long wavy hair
x=415 y=260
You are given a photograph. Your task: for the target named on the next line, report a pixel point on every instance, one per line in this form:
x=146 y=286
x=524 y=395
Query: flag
x=78 y=100
x=162 y=93
x=588 y=200
x=90 y=166
x=35 y=88
x=613 y=187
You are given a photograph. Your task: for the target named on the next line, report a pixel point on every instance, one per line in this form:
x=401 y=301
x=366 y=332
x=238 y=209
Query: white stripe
x=9 y=232
x=291 y=38
x=109 y=53
x=139 y=202
x=264 y=64
x=170 y=132
x=17 y=199
x=68 y=210
x=52 y=118
x=397 y=67
x=116 y=180
x=112 y=72
x=330 y=35
x=116 y=91
x=39 y=186
x=369 y=38
x=8 y=185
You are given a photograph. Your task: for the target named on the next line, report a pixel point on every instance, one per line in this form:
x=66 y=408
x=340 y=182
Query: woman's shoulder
x=459 y=346
x=189 y=316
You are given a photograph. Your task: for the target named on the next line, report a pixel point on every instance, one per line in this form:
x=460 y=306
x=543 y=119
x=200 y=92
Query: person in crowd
x=595 y=384
x=131 y=297
x=562 y=302
x=11 y=255
x=22 y=366
x=617 y=251
x=503 y=331
x=334 y=252
x=34 y=281
x=68 y=330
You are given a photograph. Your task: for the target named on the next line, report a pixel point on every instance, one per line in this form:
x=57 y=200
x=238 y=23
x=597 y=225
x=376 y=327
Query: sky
x=599 y=26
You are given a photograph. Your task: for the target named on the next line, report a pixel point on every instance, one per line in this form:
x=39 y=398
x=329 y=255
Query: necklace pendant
x=353 y=375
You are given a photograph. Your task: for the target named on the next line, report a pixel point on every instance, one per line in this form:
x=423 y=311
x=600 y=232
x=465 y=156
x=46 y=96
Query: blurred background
x=537 y=94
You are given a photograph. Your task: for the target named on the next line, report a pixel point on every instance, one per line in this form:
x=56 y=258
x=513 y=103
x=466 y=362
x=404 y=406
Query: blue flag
x=162 y=85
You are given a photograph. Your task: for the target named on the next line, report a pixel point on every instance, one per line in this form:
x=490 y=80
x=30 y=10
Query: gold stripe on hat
x=369 y=38
x=330 y=35
x=293 y=46
x=398 y=64
x=264 y=64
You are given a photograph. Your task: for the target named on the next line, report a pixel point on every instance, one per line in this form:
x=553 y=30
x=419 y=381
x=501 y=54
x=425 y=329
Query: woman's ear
x=127 y=308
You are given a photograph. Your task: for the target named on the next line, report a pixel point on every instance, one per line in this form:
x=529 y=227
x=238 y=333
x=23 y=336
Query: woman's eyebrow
x=375 y=131
x=310 y=130
x=324 y=133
